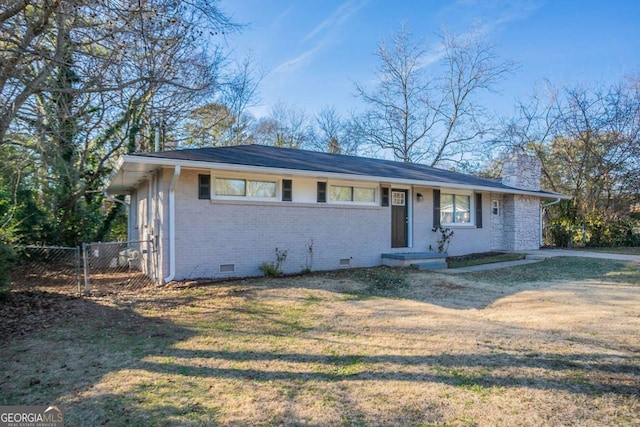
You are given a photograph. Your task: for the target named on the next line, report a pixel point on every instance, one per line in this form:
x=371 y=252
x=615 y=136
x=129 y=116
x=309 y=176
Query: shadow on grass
x=64 y=358
x=56 y=348
x=453 y=370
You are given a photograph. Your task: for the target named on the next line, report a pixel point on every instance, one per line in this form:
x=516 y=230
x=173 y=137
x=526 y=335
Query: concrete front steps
x=419 y=260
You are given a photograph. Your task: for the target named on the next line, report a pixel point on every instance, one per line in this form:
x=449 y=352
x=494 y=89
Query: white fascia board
x=114 y=171
x=331 y=175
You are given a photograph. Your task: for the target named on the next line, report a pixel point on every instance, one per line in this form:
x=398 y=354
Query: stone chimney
x=521 y=171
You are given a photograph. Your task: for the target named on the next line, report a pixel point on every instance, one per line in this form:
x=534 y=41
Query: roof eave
x=196 y=164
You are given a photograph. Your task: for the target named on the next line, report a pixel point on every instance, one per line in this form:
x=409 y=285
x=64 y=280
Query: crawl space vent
x=227 y=268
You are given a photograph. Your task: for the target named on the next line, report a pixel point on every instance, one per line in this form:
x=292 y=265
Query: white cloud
x=322 y=33
x=337 y=18
x=298 y=61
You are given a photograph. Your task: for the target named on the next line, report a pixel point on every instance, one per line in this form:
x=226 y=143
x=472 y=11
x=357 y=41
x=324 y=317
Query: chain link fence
x=112 y=267
x=93 y=269
x=47 y=266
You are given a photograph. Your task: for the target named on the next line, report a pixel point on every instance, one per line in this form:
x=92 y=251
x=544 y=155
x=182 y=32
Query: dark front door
x=399 y=218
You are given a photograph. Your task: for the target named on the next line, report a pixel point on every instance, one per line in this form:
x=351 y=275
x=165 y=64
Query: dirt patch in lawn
x=331 y=349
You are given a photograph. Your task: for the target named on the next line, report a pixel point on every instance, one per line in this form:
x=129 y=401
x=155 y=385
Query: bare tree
x=332 y=133
x=284 y=127
x=428 y=118
x=588 y=140
x=83 y=80
x=399 y=115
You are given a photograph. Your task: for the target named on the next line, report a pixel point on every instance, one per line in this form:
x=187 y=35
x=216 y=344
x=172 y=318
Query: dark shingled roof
x=285 y=158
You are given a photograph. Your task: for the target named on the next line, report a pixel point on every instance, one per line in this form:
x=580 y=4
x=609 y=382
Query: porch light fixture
x=419 y=196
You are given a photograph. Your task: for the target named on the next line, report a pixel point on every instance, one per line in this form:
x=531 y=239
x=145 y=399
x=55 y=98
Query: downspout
x=542 y=211
x=172 y=225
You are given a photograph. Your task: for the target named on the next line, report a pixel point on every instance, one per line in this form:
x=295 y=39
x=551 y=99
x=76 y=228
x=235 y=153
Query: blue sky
x=311 y=52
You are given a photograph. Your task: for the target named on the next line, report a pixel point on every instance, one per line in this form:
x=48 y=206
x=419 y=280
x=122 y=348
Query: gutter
x=172 y=225
x=542 y=208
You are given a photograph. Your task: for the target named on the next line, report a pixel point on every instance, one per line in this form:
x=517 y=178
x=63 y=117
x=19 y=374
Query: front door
x=399 y=218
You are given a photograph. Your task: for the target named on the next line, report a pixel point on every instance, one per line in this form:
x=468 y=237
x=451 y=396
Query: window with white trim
x=495 y=207
x=455 y=208
x=398 y=198
x=343 y=193
x=245 y=188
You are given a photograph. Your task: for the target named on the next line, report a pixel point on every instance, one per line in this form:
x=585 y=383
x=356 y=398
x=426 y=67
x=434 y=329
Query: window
x=398 y=198
x=230 y=187
x=455 y=209
x=204 y=186
x=245 y=188
x=341 y=193
x=495 y=207
x=367 y=195
x=261 y=189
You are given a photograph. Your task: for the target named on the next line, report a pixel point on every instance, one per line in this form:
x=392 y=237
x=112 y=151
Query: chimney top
x=521 y=171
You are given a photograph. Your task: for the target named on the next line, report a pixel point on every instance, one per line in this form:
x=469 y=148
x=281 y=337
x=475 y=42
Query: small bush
x=273 y=269
x=269 y=269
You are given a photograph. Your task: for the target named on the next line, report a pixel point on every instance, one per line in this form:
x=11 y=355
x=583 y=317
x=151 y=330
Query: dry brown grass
x=325 y=349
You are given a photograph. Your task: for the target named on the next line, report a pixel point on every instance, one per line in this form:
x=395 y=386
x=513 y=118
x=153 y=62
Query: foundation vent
x=345 y=262
x=227 y=268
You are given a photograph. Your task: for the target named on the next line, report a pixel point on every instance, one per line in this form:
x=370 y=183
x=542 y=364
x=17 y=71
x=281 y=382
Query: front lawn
x=551 y=343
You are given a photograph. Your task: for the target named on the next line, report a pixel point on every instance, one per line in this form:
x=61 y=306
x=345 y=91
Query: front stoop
x=419 y=260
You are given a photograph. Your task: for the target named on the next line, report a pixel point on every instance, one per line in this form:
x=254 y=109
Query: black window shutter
x=478 y=210
x=322 y=192
x=204 y=186
x=385 y=196
x=436 y=208
x=287 y=190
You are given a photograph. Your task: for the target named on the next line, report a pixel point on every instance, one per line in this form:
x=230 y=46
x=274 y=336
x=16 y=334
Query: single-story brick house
x=221 y=212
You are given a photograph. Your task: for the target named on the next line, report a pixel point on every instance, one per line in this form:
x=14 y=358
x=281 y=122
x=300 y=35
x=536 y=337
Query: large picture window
x=455 y=209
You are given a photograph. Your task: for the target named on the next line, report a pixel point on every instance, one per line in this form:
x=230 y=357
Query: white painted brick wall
x=211 y=233
x=243 y=233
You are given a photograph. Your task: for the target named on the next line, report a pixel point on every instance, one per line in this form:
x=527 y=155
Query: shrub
x=596 y=231
x=444 y=238
x=273 y=269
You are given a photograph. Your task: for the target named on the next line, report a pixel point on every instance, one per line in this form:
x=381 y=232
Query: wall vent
x=345 y=262
x=227 y=268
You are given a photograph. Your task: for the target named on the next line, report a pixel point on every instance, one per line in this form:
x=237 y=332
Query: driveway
x=548 y=253
x=540 y=255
